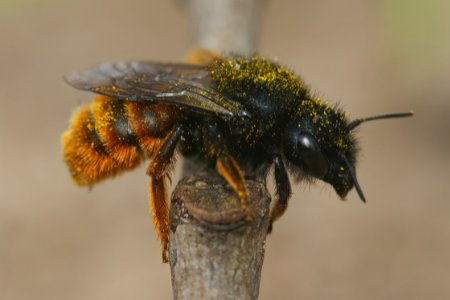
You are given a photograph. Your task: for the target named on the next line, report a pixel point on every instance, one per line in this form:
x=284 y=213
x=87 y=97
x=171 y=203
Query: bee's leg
x=228 y=168
x=283 y=192
x=226 y=165
x=282 y=186
x=160 y=167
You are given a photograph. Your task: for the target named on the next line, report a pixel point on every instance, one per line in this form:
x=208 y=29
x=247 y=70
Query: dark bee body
x=237 y=114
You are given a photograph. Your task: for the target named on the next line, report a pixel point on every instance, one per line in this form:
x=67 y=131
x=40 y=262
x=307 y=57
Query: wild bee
x=241 y=115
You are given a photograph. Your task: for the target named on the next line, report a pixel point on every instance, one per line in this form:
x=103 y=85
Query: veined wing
x=184 y=85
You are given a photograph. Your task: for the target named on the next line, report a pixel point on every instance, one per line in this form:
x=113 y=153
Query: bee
x=241 y=115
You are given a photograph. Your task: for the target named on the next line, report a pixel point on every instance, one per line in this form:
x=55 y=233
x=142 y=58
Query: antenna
x=352 y=172
x=357 y=122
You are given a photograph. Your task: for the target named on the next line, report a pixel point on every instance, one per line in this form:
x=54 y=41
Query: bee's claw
x=269 y=230
x=250 y=215
x=170 y=179
x=246 y=207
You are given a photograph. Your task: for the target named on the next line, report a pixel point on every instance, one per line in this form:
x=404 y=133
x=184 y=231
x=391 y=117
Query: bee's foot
x=269 y=230
x=165 y=257
x=250 y=214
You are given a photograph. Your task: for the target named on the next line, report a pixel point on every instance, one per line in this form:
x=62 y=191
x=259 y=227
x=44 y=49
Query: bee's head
x=319 y=143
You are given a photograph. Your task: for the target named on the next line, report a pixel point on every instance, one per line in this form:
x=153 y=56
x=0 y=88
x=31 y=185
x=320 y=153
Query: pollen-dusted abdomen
x=113 y=135
x=150 y=123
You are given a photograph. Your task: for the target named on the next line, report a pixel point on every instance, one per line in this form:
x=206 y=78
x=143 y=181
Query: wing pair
x=185 y=85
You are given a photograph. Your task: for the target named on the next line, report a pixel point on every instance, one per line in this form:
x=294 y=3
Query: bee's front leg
x=282 y=185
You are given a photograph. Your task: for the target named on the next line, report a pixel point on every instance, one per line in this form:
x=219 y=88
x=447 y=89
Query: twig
x=214 y=252
x=225 y=25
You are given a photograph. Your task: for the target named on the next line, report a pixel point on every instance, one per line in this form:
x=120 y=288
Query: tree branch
x=214 y=252
x=225 y=25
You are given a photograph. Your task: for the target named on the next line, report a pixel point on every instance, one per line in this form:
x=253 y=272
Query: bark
x=214 y=252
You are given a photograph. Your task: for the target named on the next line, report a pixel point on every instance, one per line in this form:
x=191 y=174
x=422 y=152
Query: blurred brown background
x=58 y=241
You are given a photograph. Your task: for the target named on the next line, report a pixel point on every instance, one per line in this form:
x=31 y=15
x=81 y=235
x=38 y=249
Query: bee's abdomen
x=113 y=135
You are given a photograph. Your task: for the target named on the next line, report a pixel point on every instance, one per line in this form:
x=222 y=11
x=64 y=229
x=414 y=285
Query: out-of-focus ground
x=59 y=241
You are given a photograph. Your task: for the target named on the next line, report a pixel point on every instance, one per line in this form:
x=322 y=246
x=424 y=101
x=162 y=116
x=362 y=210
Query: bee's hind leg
x=160 y=167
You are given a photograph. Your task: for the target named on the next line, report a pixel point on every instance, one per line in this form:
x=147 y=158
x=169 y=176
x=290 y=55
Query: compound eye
x=313 y=159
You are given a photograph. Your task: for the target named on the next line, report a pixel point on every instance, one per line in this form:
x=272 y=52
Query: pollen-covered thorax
x=237 y=77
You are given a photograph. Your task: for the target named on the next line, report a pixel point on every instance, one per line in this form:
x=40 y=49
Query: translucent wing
x=188 y=86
